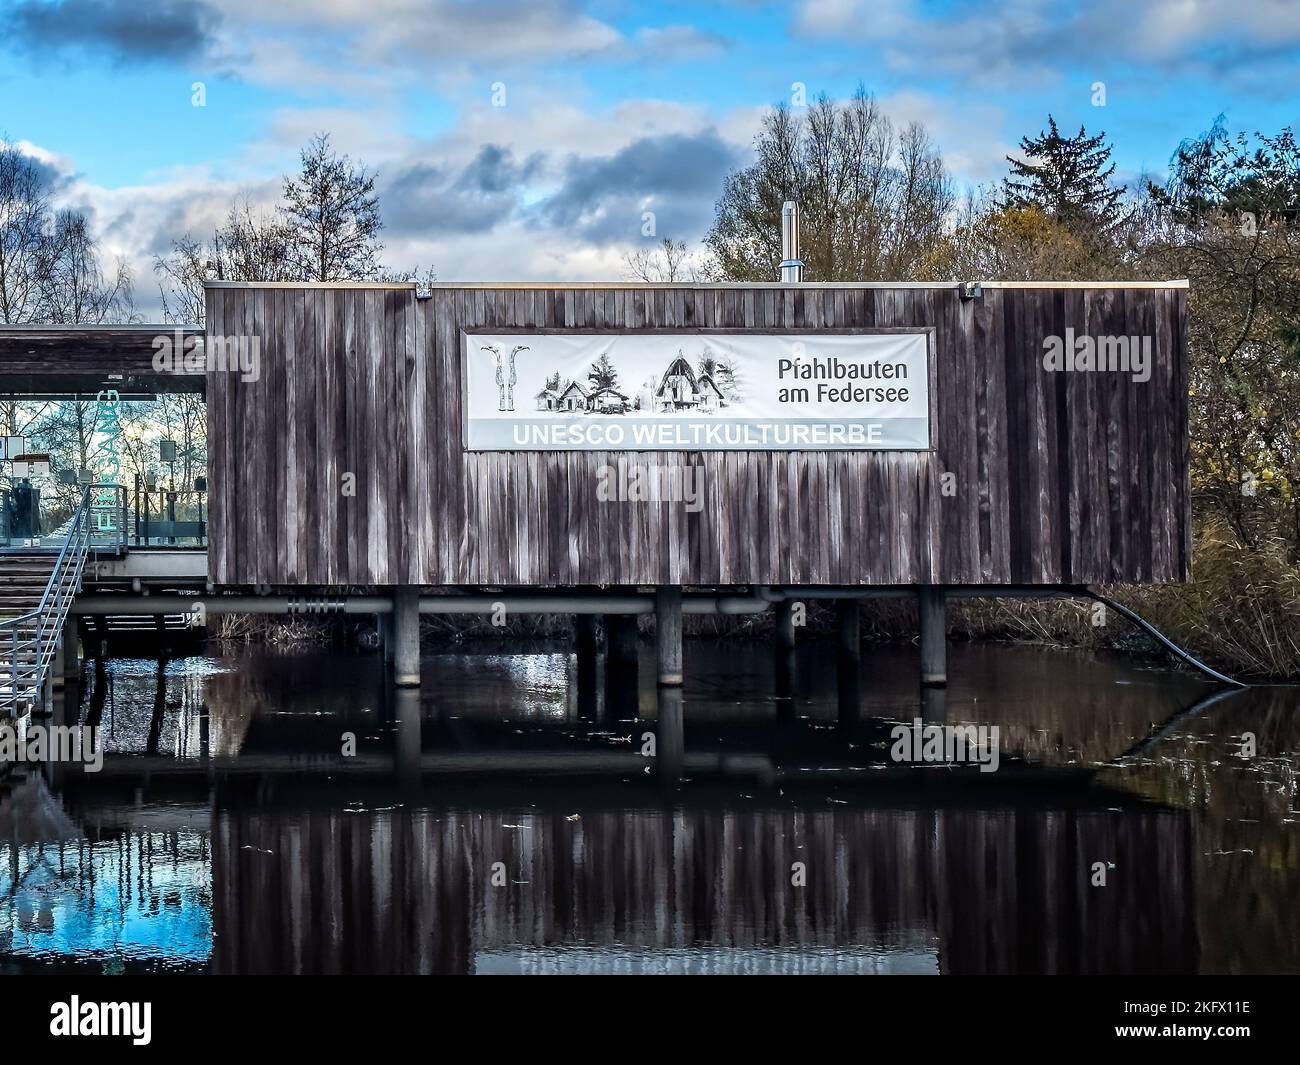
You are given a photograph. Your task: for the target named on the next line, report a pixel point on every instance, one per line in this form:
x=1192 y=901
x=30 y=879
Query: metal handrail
x=61 y=589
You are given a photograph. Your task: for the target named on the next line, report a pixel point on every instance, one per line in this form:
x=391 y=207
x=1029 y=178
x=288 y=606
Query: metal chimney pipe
x=791 y=264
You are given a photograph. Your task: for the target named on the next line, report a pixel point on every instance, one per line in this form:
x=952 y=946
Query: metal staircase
x=32 y=621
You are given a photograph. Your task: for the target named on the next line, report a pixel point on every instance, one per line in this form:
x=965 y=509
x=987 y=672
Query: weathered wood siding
x=1059 y=477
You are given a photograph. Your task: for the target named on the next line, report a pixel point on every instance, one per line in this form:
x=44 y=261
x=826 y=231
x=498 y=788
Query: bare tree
x=872 y=201
x=989 y=240
x=665 y=262
x=333 y=214
x=253 y=244
x=78 y=292
x=67 y=430
x=181 y=273
x=25 y=239
x=182 y=417
x=324 y=229
x=74 y=291
x=1231 y=225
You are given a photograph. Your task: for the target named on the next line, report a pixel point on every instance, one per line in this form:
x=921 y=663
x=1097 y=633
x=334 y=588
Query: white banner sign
x=697 y=392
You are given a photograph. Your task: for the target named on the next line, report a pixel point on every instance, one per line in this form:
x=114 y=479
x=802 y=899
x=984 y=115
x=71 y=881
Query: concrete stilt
x=668 y=634
x=43 y=705
x=670 y=738
x=848 y=660
x=934 y=711
x=58 y=667
x=406 y=636
x=205 y=732
x=785 y=625
x=934 y=649
x=586 y=636
x=406 y=755
x=71 y=651
x=783 y=662
x=98 y=693
x=622 y=637
x=621 y=667
x=586 y=646
x=934 y=705
x=101 y=637
x=55 y=770
x=848 y=629
x=153 y=740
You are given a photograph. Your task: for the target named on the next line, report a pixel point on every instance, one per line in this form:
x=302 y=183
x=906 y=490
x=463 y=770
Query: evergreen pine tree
x=1067 y=177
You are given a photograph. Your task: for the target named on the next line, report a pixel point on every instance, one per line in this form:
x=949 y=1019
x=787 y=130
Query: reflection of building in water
x=124 y=898
x=183 y=708
x=887 y=890
x=695 y=889
x=1002 y=888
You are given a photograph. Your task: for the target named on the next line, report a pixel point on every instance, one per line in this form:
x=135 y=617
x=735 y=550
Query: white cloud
x=53 y=161
x=378 y=46
x=374 y=46
x=543 y=142
x=878 y=20
x=372 y=134
x=135 y=223
x=968 y=136
x=1168 y=28
x=523 y=192
x=678 y=44
x=1026 y=42
x=512 y=252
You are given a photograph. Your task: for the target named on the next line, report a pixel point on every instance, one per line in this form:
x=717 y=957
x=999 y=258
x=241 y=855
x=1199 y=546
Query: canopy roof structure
x=64 y=360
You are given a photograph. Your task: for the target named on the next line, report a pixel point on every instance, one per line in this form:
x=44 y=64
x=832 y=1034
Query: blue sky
x=611 y=108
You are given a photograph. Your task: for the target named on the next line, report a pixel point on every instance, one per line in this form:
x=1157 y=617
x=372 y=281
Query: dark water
x=501 y=821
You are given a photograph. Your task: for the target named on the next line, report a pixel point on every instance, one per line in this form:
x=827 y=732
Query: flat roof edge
x=696 y=286
x=387 y=286
x=142 y=328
